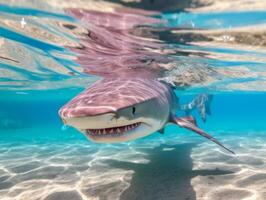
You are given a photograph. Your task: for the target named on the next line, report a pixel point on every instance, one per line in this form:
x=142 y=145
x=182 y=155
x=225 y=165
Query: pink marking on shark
x=129 y=102
x=113 y=94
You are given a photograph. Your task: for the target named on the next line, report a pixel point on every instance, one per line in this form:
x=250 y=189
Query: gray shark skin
x=123 y=109
x=120 y=109
x=130 y=101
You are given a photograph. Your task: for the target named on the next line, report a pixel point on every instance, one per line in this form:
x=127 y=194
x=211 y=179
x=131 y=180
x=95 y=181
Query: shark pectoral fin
x=190 y=123
x=189 y=119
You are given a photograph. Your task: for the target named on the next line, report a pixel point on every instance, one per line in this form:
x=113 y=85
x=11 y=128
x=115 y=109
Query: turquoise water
x=212 y=52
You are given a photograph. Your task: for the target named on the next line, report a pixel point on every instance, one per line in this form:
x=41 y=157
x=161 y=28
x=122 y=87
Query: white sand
x=161 y=167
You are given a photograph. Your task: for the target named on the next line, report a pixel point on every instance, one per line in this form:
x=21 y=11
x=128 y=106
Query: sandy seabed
x=160 y=167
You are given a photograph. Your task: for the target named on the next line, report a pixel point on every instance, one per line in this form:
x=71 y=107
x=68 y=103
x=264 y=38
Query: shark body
x=123 y=109
x=120 y=109
x=130 y=101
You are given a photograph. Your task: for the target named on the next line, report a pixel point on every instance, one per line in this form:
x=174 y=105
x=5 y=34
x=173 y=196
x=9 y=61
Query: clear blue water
x=40 y=158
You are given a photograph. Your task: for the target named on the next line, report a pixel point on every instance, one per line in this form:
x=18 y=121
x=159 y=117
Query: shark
x=124 y=109
x=127 y=102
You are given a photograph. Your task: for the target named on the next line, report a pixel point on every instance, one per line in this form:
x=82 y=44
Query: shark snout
x=97 y=121
x=81 y=111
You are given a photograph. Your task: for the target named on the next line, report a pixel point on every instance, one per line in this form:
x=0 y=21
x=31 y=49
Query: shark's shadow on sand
x=167 y=176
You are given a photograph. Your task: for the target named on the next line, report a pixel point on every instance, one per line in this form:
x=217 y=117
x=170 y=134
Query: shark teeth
x=113 y=130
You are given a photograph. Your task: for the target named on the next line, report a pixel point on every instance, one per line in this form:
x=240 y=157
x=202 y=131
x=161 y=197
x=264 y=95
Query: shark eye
x=133 y=110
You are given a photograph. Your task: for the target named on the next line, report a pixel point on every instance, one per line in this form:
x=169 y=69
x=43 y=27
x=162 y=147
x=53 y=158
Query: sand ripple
x=249 y=178
x=160 y=167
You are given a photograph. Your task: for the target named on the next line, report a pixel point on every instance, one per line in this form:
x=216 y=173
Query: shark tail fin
x=190 y=123
x=202 y=103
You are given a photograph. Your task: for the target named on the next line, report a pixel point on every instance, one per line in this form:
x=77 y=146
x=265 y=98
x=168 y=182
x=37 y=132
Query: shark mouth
x=113 y=131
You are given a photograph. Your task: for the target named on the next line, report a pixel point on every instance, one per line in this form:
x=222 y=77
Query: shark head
x=118 y=109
